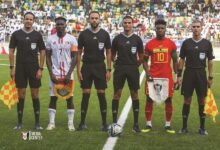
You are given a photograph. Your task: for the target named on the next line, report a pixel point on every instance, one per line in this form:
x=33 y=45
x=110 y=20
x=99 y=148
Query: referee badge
x=202 y=56
x=133 y=50
x=101 y=45
x=33 y=46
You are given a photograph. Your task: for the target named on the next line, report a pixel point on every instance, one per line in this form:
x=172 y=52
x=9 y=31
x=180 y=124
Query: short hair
x=94 y=12
x=160 y=21
x=29 y=13
x=60 y=18
x=128 y=17
x=197 y=21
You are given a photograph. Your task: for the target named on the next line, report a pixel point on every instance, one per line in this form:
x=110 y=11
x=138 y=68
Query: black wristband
x=179 y=72
x=210 y=78
x=11 y=67
x=41 y=68
x=109 y=70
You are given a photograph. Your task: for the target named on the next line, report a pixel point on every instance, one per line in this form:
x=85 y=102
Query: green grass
x=93 y=138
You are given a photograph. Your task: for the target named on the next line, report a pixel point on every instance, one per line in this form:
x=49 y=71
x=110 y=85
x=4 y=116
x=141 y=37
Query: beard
x=94 y=26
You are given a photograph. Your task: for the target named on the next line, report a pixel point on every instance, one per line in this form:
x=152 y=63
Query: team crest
x=202 y=56
x=33 y=45
x=101 y=45
x=133 y=50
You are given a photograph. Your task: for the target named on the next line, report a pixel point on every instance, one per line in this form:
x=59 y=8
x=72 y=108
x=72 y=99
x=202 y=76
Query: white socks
x=52 y=114
x=167 y=124
x=70 y=113
x=149 y=123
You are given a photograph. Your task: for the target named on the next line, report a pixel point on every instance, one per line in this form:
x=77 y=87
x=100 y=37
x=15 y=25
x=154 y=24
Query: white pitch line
x=111 y=141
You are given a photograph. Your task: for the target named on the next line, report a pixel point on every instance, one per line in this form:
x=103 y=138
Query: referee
x=129 y=50
x=28 y=43
x=94 y=42
x=195 y=53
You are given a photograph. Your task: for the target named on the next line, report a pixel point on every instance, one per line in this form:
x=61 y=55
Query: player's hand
x=209 y=83
x=108 y=75
x=149 y=78
x=176 y=85
x=79 y=74
x=39 y=74
x=54 y=79
x=67 y=79
x=179 y=80
x=12 y=73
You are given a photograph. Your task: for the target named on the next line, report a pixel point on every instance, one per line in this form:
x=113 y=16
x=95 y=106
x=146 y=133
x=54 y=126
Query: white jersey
x=61 y=53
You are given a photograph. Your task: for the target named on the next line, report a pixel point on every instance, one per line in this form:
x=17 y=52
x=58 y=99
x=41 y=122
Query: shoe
x=104 y=128
x=38 y=127
x=18 y=127
x=50 y=126
x=147 y=129
x=71 y=127
x=82 y=127
x=170 y=130
x=203 y=132
x=183 y=131
x=136 y=129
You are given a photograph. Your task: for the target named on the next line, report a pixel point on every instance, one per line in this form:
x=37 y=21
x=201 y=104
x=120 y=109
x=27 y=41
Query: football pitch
x=93 y=138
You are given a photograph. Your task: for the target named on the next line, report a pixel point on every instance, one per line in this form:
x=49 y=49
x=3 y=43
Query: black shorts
x=94 y=72
x=25 y=73
x=194 y=79
x=129 y=72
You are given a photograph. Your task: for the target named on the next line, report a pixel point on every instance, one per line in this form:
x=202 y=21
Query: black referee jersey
x=94 y=44
x=127 y=48
x=196 y=52
x=28 y=45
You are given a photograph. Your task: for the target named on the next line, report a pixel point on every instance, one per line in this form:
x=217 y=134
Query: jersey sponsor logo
x=101 y=45
x=133 y=50
x=202 y=56
x=33 y=46
x=160 y=55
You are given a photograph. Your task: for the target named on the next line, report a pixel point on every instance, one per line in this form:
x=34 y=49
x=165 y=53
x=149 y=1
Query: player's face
x=196 y=28
x=127 y=24
x=160 y=30
x=28 y=21
x=94 y=20
x=60 y=26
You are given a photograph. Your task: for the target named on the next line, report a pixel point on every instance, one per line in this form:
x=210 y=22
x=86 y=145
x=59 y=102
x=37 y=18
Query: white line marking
x=111 y=141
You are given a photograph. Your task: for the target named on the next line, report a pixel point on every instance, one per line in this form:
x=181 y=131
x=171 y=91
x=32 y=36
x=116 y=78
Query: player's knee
x=187 y=100
x=87 y=91
x=117 y=95
x=149 y=100
x=100 y=91
x=70 y=103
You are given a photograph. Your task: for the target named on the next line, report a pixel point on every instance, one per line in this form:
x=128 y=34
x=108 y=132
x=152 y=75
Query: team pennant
x=64 y=91
x=210 y=105
x=9 y=94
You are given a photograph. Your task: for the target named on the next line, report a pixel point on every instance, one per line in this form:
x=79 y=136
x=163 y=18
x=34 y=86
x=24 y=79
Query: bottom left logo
x=31 y=135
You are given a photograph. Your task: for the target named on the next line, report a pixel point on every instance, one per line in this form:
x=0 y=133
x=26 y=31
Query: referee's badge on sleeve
x=133 y=50
x=158 y=89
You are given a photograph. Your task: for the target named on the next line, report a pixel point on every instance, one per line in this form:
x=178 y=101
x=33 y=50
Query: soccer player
x=160 y=50
x=61 y=58
x=94 y=42
x=195 y=53
x=28 y=43
x=128 y=47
